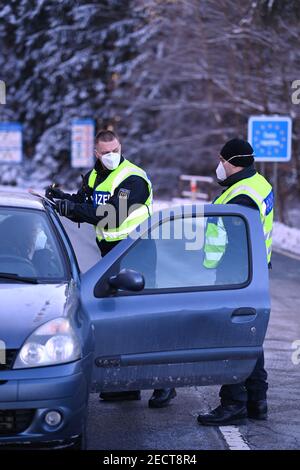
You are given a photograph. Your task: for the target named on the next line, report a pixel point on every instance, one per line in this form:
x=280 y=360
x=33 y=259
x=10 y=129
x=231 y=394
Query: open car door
x=167 y=320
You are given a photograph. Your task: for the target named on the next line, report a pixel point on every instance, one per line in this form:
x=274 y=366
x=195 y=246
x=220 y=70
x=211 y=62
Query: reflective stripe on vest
x=108 y=186
x=260 y=191
x=215 y=243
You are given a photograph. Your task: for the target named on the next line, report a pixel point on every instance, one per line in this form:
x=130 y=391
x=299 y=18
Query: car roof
x=20 y=198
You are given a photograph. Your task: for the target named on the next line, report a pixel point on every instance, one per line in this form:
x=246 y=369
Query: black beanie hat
x=239 y=147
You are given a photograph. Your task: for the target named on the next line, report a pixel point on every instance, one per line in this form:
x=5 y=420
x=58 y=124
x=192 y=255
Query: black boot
x=257 y=409
x=224 y=415
x=120 y=396
x=161 y=397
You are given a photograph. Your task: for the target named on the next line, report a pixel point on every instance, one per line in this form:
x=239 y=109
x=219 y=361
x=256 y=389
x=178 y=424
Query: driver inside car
x=23 y=248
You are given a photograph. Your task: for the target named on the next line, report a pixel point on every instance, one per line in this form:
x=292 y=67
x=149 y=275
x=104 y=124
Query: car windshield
x=29 y=249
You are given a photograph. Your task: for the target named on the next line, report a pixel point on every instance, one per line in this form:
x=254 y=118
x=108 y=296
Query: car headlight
x=55 y=342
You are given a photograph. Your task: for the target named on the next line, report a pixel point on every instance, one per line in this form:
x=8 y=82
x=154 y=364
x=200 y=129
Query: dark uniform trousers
x=253 y=389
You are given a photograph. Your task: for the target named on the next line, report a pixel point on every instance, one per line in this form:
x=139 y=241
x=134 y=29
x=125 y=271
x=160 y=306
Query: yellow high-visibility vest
x=260 y=191
x=103 y=191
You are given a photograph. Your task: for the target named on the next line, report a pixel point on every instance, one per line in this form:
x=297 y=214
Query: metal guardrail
x=204 y=179
x=193 y=192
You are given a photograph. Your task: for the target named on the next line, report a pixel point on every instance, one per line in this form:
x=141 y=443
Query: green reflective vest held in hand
x=260 y=191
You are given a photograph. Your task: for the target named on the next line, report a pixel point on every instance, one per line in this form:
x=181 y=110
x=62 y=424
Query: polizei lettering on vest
x=100 y=197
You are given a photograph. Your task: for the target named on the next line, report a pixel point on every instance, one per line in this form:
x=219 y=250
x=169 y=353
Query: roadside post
x=271 y=139
x=194 y=193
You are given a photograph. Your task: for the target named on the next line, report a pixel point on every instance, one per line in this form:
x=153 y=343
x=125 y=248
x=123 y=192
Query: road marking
x=233 y=438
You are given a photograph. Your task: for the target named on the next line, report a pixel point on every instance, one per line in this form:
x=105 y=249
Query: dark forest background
x=175 y=78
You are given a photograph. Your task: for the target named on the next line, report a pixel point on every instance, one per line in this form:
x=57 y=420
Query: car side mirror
x=127 y=279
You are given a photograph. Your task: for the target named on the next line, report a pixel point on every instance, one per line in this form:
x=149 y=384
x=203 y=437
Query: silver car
x=148 y=315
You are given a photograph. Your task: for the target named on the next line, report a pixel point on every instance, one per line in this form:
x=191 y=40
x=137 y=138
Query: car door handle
x=243 y=311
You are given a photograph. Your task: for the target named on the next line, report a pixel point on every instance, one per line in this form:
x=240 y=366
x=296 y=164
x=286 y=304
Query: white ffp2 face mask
x=220 y=172
x=111 y=160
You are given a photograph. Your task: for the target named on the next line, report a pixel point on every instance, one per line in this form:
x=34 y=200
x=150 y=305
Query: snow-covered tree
x=175 y=78
x=205 y=66
x=56 y=60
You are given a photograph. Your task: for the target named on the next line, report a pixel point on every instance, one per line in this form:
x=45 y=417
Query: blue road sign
x=10 y=142
x=271 y=138
x=82 y=143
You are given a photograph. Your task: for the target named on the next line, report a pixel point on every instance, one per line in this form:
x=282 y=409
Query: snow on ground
x=285 y=238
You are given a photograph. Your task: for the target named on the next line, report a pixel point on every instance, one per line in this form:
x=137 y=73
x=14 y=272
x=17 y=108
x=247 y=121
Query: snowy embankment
x=285 y=239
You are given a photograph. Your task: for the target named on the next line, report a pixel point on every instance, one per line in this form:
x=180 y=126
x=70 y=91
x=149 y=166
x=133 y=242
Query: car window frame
x=64 y=241
x=65 y=263
x=168 y=290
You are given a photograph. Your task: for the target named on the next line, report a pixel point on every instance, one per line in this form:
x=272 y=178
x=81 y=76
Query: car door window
x=28 y=246
x=173 y=255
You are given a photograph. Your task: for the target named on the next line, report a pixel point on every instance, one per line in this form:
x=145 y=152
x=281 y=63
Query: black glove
x=65 y=207
x=52 y=192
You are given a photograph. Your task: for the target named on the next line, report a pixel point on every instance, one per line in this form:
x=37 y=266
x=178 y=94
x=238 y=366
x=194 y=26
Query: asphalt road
x=132 y=425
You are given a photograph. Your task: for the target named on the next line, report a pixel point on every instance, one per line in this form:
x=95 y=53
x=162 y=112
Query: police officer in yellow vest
x=243 y=185
x=124 y=192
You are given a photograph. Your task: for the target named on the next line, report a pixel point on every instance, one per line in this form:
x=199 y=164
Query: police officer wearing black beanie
x=247 y=399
